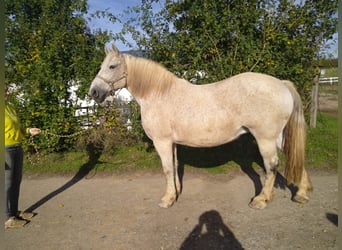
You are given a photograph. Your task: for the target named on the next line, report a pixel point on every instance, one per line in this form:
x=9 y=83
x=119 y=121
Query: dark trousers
x=13 y=174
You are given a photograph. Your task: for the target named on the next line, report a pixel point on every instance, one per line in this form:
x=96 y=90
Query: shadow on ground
x=333 y=218
x=84 y=170
x=211 y=233
x=243 y=151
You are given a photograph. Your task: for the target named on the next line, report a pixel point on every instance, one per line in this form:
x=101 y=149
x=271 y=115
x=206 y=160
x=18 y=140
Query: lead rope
x=48 y=135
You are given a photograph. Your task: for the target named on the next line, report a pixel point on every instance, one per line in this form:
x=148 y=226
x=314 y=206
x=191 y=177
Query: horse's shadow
x=211 y=233
x=83 y=171
x=244 y=151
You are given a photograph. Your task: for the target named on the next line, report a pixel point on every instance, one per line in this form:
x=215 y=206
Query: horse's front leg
x=165 y=151
x=175 y=165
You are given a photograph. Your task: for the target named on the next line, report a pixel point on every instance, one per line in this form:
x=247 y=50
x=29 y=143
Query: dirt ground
x=121 y=212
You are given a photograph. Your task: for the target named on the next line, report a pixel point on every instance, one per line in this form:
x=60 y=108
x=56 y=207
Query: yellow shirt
x=13 y=132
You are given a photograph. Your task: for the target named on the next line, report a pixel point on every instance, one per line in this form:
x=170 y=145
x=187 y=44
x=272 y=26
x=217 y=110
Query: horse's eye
x=112 y=67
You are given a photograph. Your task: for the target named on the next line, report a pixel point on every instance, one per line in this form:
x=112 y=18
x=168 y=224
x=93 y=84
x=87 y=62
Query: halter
x=112 y=83
x=109 y=82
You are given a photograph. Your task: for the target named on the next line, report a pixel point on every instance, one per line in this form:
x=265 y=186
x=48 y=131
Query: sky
x=334 y=46
x=116 y=7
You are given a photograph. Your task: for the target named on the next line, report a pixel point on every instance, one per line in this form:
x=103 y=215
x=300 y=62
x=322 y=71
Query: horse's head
x=111 y=77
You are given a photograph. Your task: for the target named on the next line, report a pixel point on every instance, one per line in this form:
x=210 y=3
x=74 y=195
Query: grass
x=331 y=72
x=322 y=142
x=329 y=89
x=321 y=152
x=122 y=159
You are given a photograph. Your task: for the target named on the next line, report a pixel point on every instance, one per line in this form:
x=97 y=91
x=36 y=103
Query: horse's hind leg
x=268 y=151
x=165 y=151
x=304 y=186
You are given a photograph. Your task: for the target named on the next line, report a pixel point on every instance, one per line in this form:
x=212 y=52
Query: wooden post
x=314 y=102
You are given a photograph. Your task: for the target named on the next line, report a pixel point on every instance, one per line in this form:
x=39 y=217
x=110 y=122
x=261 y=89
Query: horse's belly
x=208 y=137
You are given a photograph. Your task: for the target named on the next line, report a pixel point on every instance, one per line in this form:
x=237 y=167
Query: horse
x=175 y=111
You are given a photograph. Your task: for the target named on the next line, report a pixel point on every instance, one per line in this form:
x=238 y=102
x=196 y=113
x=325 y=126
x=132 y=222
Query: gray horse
x=174 y=111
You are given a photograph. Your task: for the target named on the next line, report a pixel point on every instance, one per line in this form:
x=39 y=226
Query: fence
x=330 y=80
x=85 y=114
x=314 y=96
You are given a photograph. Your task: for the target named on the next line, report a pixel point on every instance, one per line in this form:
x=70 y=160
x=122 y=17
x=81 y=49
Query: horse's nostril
x=94 y=93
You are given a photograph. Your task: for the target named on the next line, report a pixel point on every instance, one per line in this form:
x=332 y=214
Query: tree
x=226 y=37
x=49 y=48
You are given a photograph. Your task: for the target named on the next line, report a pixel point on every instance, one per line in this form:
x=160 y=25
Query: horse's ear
x=107 y=50
x=115 y=49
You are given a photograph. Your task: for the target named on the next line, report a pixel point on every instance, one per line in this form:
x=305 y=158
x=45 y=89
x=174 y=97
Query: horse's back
x=257 y=83
x=241 y=93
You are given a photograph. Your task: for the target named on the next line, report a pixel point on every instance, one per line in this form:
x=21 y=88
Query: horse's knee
x=272 y=164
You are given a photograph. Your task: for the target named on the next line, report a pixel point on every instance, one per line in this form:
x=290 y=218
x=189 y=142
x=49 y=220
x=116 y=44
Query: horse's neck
x=147 y=79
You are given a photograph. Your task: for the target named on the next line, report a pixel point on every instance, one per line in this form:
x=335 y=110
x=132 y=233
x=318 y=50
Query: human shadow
x=211 y=233
x=84 y=170
x=333 y=218
x=244 y=151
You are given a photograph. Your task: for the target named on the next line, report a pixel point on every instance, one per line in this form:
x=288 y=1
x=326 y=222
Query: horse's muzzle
x=98 y=94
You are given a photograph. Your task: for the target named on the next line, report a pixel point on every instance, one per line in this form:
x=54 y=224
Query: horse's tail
x=295 y=138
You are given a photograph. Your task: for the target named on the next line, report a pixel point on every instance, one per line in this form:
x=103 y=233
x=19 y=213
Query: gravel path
x=121 y=212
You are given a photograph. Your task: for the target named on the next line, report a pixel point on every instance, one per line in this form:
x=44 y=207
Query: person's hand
x=34 y=131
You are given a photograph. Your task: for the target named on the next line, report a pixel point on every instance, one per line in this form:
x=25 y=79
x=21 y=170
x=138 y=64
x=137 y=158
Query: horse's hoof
x=300 y=198
x=257 y=204
x=165 y=204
